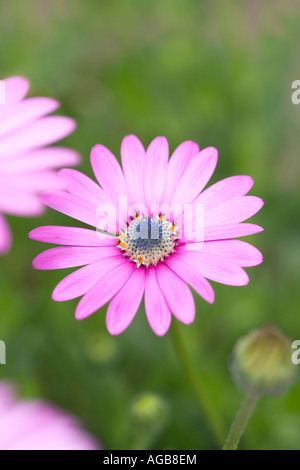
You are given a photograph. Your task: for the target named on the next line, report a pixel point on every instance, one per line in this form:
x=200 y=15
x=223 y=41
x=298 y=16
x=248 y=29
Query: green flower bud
x=101 y=348
x=261 y=362
x=150 y=412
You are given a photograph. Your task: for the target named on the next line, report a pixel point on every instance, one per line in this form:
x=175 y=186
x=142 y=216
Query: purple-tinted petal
x=155 y=170
x=78 y=209
x=26 y=112
x=30 y=182
x=82 y=280
x=225 y=231
x=201 y=218
x=233 y=211
x=215 y=268
x=177 y=294
x=16 y=89
x=36 y=425
x=5 y=236
x=109 y=284
x=60 y=434
x=157 y=310
x=237 y=251
x=47 y=158
x=109 y=173
x=179 y=161
x=21 y=203
x=42 y=132
x=125 y=303
x=63 y=257
x=228 y=188
x=196 y=176
x=133 y=159
x=190 y=275
x=70 y=236
x=79 y=184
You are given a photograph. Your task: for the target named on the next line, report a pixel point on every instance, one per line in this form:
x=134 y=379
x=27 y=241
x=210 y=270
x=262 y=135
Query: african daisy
x=26 y=165
x=37 y=425
x=153 y=249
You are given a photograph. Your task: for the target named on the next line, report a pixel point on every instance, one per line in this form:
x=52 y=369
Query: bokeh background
x=219 y=73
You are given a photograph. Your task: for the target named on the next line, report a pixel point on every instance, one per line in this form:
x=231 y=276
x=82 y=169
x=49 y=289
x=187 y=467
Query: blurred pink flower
x=167 y=262
x=26 y=164
x=36 y=425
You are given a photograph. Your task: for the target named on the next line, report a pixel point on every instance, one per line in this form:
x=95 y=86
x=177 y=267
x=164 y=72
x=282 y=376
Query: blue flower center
x=146 y=241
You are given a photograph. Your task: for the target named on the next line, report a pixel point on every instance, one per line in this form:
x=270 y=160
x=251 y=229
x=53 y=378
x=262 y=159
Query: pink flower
x=36 y=425
x=26 y=165
x=166 y=262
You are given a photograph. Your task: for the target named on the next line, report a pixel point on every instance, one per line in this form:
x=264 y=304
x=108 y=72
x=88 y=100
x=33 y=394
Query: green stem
x=212 y=416
x=240 y=422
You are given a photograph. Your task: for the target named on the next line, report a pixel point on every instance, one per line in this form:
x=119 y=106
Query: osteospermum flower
x=37 y=425
x=153 y=249
x=26 y=165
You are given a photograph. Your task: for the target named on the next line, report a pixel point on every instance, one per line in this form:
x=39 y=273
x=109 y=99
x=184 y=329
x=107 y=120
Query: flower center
x=148 y=240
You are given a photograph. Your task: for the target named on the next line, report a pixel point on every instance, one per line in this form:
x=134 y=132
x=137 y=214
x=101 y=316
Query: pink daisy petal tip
x=27 y=164
x=158 y=245
x=38 y=425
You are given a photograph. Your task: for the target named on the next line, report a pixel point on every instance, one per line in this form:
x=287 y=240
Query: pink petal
x=48 y=158
x=16 y=89
x=232 y=211
x=73 y=206
x=20 y=203
x=56 y=437
x=133 y=158
x=110 y=283
x=109 y=173
x=192 y=277
x=71 y=256
x=155 y=168
x=43 y=132
x=81 y=281
x=229 y=188
x=157 y=310
x=5 y=236
x=7 y=397
x=196 y=176
x=79 y=184
x=91 y=194
x=178 y=162
x=225 y=231
x=236 y=251
x=215 y=268
x=125 y=303
x=228 y=212
x=23 y=419
x=33 y=425
x=177 y=294
x=70 y=236
x=218 y=232
x=30 y=182
x=59 y=434
x=27 y=111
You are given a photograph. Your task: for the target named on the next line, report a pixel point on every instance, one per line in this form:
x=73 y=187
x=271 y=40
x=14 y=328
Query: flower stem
x=213 y=418
x=240 y=422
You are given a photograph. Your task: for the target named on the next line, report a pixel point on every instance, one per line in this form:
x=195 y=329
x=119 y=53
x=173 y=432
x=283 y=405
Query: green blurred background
x=219 y=73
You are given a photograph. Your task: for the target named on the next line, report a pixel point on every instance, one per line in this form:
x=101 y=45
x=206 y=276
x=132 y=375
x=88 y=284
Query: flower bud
x=101 y=348
x=261 y=362
x=149 y=411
